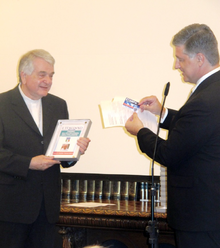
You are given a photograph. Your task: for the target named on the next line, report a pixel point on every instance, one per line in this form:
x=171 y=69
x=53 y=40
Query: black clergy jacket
x=22 y=190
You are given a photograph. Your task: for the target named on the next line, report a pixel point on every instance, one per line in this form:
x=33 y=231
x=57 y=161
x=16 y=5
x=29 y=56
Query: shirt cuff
x=165 y=116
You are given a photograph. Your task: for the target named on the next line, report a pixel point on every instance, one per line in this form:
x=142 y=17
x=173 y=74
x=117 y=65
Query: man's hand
x=83 y=144
x=134 y=124
x=151 y=104
x=42 y=162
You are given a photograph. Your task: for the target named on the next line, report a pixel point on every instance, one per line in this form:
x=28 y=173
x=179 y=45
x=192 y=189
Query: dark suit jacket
x=21 y=189
x=191 y=154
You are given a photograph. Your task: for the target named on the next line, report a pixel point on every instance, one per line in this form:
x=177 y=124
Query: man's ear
x=23 y=77
x=200 y=58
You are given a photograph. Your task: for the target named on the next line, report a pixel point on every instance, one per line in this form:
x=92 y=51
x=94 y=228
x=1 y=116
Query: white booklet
x=63 y=145
x=116 y=112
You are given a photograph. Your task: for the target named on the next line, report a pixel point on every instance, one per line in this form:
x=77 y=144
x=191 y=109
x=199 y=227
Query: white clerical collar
x=26 y=98
x=204 y=77
x=35 y=108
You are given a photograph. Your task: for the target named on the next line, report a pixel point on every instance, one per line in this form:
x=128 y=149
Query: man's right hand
x=42 y=162
x=151 y=104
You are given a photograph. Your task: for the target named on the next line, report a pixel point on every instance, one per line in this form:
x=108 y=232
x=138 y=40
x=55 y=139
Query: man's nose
x=48 y=79
x=177 y=65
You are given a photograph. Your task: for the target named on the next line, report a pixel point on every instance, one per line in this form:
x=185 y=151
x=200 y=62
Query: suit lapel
x=21 y=109
x=206 y=83
x=203 y=86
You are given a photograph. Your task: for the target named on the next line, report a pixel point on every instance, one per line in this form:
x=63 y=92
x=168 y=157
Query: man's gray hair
x=198 y=38
x=26 y=61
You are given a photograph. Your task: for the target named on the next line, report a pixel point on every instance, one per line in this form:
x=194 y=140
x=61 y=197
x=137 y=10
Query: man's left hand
x=134 y=124
x=83 y=144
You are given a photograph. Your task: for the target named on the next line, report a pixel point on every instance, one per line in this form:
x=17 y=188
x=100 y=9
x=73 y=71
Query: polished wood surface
x=119 y=208
x=125 y=221
x=122 y=214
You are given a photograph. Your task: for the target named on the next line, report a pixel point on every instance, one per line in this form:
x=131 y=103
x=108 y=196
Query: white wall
x=103 y=48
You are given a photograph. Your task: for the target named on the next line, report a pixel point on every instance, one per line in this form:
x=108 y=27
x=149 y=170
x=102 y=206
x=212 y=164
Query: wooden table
x=123 y=222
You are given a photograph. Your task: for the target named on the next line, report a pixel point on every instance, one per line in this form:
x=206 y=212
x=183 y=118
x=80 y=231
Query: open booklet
x=116 y=112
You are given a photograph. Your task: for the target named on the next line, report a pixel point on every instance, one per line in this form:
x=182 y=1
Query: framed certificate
x=63 y=145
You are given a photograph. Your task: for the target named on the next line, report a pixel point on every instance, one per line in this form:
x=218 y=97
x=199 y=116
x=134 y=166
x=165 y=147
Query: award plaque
x=63 y=145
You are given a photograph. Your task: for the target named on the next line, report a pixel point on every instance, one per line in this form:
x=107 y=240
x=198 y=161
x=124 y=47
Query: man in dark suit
x=29 y=180
x=191 y=152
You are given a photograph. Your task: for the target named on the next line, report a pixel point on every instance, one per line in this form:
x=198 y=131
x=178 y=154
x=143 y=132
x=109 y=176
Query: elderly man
x=29 y=180
x=191 y=152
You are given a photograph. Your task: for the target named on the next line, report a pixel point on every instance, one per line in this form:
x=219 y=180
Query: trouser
x=40 y=234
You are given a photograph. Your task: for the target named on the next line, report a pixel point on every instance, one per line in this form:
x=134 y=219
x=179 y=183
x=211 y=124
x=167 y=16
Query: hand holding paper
x=117 y=112
x=133 y=124
x=151 y=104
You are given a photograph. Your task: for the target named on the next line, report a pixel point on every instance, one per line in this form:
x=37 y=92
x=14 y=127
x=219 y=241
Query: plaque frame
x=63 y=144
